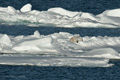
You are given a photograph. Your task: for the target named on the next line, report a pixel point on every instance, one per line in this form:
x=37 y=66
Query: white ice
x=58 y=17
x=54 y=61
x=26 y=8
x=57 y=50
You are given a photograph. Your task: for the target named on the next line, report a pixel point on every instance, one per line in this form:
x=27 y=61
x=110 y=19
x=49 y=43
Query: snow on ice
x=59 y=17
x=57 y=50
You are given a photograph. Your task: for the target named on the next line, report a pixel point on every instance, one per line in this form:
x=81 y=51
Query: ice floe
x=57 y=50
x=58 y=17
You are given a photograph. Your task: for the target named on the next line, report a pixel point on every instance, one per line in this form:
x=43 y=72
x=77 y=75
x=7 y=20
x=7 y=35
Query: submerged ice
x=57 y=50
x=58 y=17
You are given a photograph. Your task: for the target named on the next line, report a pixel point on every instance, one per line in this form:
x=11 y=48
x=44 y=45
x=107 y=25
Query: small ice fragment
x=26 y=8
x=37 y=34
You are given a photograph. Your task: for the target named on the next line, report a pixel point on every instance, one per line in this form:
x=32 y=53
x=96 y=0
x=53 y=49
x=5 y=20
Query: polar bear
x=76 y=39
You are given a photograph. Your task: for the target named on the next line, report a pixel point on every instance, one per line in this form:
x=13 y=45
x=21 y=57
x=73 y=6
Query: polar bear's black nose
x=77 y=41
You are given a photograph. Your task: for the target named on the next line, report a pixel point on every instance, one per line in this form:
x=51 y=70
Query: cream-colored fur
x=76 y=39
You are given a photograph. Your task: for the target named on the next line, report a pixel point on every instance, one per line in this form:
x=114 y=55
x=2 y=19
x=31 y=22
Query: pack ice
x=57 y=49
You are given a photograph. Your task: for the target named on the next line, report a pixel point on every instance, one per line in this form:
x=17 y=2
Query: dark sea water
x=16 y=30
x=12 y=72
x=92 y=6
x=8 y=72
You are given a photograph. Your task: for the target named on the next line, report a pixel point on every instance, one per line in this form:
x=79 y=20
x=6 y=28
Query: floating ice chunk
x=33 y=45
x=59 y=17
x=103 y=52
x=63 y=11
x=37 y=34
x=11 y=10
x=59 y=47
x=5 y=40
x=26 y=8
